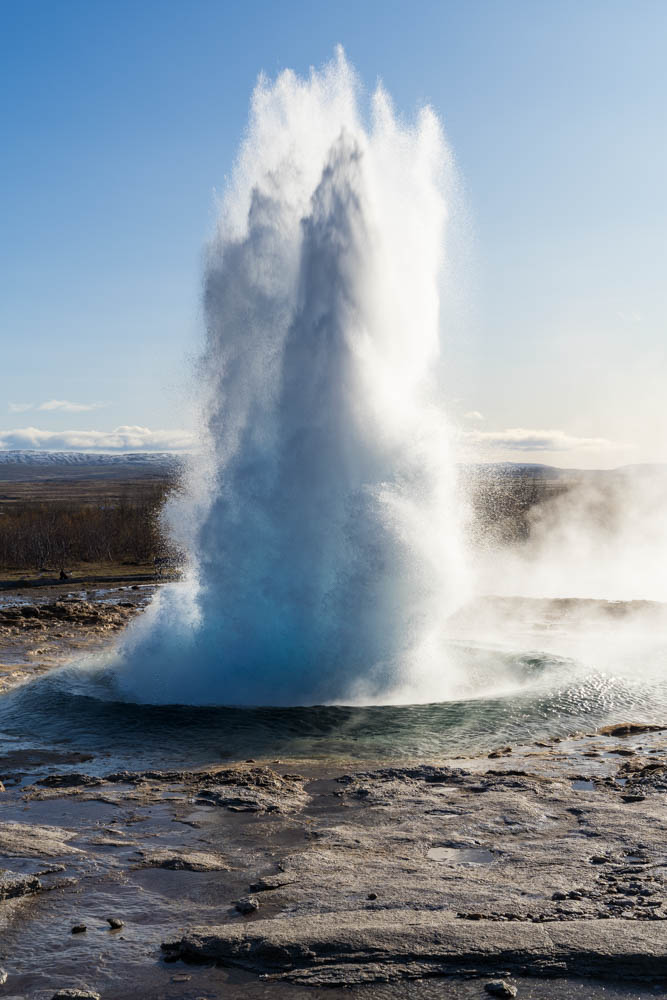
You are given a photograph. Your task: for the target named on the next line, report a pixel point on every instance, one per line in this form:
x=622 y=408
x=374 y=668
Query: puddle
x=461 y=855
x=583 y=786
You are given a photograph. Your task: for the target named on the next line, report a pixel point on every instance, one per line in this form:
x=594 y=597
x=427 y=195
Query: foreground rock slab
x=360 y=947
x=542 y=860
x=550 y=864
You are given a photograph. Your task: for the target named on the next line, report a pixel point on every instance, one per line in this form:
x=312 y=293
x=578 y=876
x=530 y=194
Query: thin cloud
x=473 y=415
x=121 y=439
x=525 y=439
x=19 y=407
x=65 y=406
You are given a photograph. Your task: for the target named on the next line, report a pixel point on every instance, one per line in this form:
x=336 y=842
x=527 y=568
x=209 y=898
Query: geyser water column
x=325 y=552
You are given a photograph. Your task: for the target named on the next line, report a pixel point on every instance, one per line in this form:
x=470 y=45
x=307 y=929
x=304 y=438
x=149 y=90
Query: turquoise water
x=552 y=698
x=524 y=670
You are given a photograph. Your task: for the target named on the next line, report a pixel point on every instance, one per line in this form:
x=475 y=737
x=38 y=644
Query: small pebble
x=372 y=895
x=114 y=923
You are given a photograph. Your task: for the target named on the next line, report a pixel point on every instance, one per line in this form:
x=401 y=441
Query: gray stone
x=247 y=904
x=74 y=994
x=500 y=988
x=254 y=789
x=27 y=840
x=13 y=884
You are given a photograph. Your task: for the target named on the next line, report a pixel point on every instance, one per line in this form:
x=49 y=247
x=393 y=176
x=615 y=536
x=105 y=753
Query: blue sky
x=119 y=120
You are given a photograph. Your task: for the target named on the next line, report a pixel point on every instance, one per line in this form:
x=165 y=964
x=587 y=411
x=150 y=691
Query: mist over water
x=322 y=522
x=604 y=537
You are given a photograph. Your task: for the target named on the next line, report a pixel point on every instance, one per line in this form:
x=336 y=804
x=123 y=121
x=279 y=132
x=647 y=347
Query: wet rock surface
x=26 y=840
x=259 y=790
x=532 y=864
x=71 y=610
x=431 y=869
x=75 y=994
x=526 y=861
x=239 y=789
x=69 y=618
x=630 y=729
x=13 y=884
x=41 y=631
x=192 y=861
x=500 y=988
x=371 y=947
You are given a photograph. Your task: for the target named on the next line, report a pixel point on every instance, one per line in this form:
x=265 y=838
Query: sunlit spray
x=322 y=522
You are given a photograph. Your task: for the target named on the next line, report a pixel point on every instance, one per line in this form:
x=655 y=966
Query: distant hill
x=534 y=470
x=537 y=470
x=29 y=465
x=32 y=466
x=30 y=457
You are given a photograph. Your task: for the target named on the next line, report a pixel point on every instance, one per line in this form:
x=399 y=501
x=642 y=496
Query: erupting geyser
x=324 y=535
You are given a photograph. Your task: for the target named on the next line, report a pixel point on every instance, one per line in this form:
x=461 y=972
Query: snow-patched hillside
x=60 y=458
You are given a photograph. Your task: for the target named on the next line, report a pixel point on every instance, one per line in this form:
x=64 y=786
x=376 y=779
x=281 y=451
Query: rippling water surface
x=539 y=677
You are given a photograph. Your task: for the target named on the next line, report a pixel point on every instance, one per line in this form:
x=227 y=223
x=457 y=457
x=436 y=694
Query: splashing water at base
x=323 y=529
x=546 y=675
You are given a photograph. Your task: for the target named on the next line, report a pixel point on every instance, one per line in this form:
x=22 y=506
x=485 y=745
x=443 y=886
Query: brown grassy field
x=83 y=521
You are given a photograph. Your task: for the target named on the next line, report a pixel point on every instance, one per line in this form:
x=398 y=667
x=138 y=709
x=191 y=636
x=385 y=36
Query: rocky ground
x=41 y=628
x=538 y=871
x=542 y=861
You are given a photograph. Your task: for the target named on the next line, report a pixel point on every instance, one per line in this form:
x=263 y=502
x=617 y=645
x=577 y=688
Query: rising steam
x=602 y=536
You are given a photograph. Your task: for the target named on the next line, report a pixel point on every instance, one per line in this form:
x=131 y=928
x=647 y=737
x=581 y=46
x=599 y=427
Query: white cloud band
x=61 y=405
x=525 y=439
x=65 y=406
x=121 y=439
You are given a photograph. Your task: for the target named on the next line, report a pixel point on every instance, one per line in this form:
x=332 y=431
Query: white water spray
x=326 y=549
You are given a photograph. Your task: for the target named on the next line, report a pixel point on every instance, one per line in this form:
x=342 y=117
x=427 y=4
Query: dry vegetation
x=501 y=505
x=57 y=535
x=76 y=524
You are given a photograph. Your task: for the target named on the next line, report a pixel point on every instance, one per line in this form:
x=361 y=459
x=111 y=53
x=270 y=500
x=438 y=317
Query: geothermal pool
x=550 y=670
